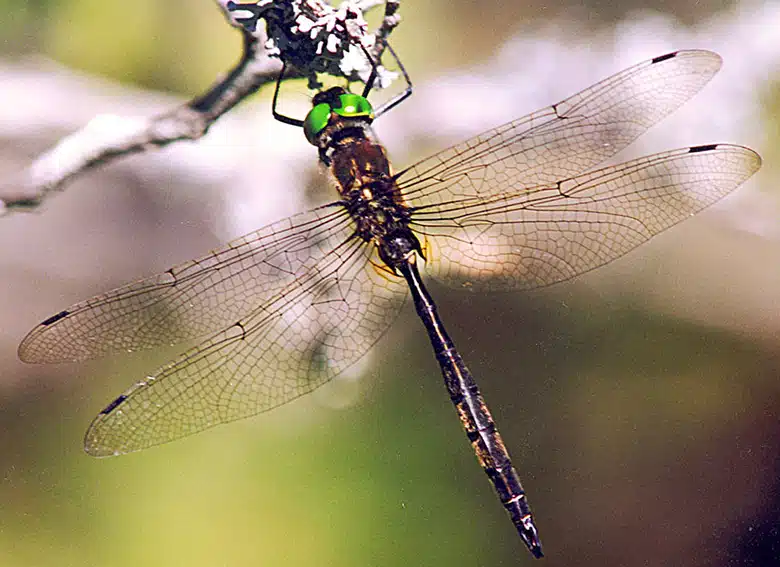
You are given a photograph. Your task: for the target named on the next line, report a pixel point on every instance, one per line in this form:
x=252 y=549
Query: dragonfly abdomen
x=474 y=415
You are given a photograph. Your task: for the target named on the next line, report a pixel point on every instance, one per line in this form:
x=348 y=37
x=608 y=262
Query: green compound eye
x=352 y=105
x=316 y=121
x=349 y=106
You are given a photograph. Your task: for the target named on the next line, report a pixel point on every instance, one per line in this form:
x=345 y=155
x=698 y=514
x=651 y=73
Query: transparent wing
x=193 y=299
x=532 y=237
x=299 y=301
x=316 y=327
x=564 y=139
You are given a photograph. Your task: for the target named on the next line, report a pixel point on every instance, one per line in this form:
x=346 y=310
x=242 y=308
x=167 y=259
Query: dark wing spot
x=707 y=148
x=664 y=57
x=55 y=318
x=113 y=405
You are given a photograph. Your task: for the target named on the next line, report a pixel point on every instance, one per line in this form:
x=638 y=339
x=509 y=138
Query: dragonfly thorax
x=368 y=191
x=361 y=170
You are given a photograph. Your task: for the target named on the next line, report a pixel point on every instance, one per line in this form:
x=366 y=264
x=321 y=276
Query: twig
x=107 y=137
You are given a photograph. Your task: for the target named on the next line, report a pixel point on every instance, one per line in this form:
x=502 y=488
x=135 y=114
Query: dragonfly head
x=334 y=103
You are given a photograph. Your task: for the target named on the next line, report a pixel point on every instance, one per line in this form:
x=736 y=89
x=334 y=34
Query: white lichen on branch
x=316 y=38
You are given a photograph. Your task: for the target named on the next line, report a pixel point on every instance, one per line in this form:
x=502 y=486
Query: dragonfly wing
x=193 y=299
x=564 y=139
x=535 y=237
x=318 y=326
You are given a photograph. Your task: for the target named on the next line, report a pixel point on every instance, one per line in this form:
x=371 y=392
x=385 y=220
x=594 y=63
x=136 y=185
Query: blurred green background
x=640 y=403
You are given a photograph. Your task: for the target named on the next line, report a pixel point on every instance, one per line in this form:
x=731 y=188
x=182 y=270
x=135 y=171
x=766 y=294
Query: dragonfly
x=289 y=307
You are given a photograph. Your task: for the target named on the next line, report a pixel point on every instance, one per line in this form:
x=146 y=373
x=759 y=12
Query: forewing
x=315 y=328
x=532 y=237
x=564 y=139
x=193 y=299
